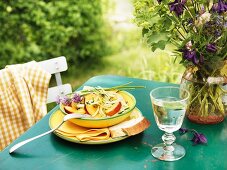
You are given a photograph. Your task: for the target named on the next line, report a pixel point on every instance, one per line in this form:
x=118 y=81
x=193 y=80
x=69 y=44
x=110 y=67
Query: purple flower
x=190 y=55
x=76 y=98
x=220 y=7
x=198 y=138
x=217 y=33
x=64 y=100
x=211 y=48
x=177 y=6
x=202 y=11
x=183 y=131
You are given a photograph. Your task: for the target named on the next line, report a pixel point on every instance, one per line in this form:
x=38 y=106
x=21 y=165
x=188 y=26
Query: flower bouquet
x=197 y=29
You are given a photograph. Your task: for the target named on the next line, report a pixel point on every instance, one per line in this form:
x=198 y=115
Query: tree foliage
x=44 y=29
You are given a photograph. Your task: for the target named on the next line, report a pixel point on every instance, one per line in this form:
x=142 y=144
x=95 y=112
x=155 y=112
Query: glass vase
x=208 y=98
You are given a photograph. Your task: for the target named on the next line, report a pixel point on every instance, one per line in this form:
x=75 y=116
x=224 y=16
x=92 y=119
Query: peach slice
x=69 y=109
x=81 y=111
x=74 y=105
x=114 y=109
x=91 y=109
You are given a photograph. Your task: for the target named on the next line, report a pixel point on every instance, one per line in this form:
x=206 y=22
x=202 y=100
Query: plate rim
x=90 y=142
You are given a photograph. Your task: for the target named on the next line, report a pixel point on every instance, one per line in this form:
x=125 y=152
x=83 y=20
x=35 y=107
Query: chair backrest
x=56 y=66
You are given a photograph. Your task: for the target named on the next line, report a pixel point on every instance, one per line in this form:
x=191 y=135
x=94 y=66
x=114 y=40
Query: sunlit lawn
x=137 y=62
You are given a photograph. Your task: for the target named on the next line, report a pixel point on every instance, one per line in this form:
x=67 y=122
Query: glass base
x=168 y=153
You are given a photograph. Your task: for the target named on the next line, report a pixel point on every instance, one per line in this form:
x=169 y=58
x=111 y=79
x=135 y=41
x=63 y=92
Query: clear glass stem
x=168 y=139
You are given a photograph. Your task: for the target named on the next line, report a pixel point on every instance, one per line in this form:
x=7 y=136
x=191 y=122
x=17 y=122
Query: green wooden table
x=51 y=152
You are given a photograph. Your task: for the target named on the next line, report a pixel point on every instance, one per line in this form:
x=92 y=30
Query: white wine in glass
x=169 y=107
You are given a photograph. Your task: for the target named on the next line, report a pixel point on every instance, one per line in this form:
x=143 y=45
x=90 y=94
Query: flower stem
x=184 y=28
x=180 y=33
x=176 y=43
x=194 y=5
x=189 y=12
x=198 y=93
x=191 y=17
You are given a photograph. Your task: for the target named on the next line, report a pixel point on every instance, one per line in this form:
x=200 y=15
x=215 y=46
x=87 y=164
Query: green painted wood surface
x=51 y=152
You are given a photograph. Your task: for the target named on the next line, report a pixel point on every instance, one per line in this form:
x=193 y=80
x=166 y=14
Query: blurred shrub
x=44 y=29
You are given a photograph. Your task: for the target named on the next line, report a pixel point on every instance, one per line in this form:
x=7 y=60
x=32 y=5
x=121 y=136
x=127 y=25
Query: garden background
x=97 y=37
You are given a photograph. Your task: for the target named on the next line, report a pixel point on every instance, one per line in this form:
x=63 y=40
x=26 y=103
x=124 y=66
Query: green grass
x=137 y=62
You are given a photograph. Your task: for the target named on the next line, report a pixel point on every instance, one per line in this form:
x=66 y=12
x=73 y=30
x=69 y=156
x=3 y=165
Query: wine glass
x=169 y=106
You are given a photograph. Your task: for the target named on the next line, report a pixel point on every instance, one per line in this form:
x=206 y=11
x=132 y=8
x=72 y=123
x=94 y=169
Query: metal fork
x=66 y=117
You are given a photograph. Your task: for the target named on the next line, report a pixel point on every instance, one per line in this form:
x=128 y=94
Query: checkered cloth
x=23 y=94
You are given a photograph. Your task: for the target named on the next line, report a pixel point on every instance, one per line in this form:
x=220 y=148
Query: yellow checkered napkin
x=23 y=94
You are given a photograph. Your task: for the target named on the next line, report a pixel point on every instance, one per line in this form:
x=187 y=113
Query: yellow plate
x=109 y=121
x=75 y=140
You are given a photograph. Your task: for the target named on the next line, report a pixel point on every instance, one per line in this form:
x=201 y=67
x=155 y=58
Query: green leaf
x=162 y=44
x=154 y=19
x=144 y=31
x=155 y=38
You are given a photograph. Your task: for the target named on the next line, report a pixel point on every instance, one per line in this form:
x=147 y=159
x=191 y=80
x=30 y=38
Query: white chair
x=56 y=66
